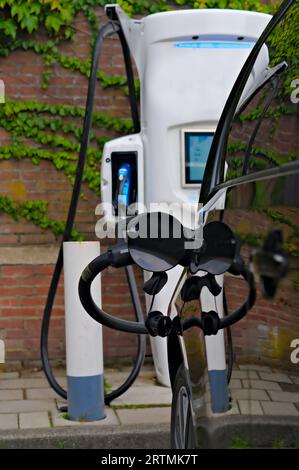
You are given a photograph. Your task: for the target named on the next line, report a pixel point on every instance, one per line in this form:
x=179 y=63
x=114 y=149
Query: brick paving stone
x=9 y=375
x=287 y=372
x=289 y=387
x=37 y=419
x=244 y=374
x=144 y=415
x=295 y=379
x=252 y=407
x=279 y=409
x=23 y=383
x=117 y=378
x=40 y=393
x=11 y=394
x=275 y=377
x=8 y=421
x=145 y=395
x=249 y=394
x=25 y=406
x=261 y=385
x=284 y=396
x=235 y=383
x=35 y=374
x=254 y=367
x=111 y=420
x=32 y=374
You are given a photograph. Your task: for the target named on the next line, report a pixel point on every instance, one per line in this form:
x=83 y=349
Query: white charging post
x=187 y=62
x=84 y=343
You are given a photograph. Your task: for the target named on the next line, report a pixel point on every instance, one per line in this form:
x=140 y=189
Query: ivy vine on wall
x=55 y=140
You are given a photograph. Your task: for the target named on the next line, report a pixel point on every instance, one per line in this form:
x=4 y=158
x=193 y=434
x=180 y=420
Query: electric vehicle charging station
x=187 y=62
x=172 y=145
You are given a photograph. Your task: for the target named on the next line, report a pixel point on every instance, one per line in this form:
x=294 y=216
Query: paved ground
x=27 y=402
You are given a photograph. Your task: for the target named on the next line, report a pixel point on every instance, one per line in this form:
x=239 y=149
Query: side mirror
x=270 y=263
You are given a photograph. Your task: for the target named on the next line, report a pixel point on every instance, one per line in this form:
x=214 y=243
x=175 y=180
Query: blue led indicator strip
x=214 y=45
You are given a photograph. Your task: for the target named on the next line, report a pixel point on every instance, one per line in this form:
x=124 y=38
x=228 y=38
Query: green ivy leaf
x=20 y=10
x=30 y=23
x=35 y=7
x=9 y=27
x=53 y=22
x=66 y=14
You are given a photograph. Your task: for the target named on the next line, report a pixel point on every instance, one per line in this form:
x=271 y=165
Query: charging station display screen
x=197 y=148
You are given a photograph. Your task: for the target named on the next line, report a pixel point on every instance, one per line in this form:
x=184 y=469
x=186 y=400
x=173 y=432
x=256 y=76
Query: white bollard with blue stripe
x=215 y=351
x=84 y=342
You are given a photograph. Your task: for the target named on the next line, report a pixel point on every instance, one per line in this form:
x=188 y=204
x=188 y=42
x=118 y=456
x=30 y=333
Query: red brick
x=31 y=324
x=17 y=271
x=8 y=323
x=17 y=311
x=34 y=280
x=17 y=291
x=8 y=239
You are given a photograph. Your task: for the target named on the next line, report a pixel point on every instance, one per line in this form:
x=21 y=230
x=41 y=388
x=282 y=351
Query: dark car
x=259 y=141
x=233 y=325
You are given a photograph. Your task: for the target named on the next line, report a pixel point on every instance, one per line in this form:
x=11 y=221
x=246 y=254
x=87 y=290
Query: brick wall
x=25 y=273
x=25 y=283
x=23 y=293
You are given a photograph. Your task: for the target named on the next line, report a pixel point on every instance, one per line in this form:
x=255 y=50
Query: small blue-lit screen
x=197 y=148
